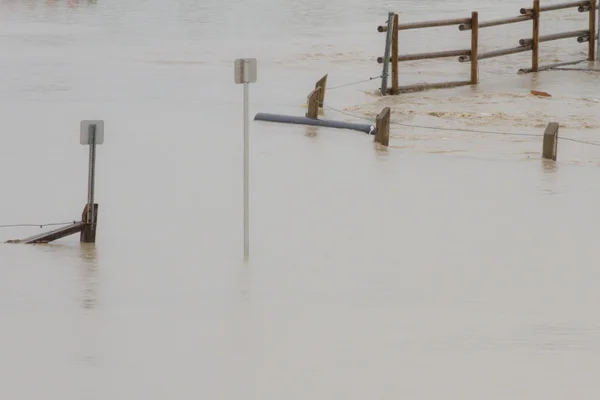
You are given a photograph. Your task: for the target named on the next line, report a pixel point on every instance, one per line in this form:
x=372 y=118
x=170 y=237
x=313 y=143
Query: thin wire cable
x=38 y=225
x=439 y=128
x=354 y=83
x=578 y=141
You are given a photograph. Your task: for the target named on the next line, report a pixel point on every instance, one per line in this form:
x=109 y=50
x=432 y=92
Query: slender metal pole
x=246 y=171
x=386 y=56
x=598 y=36
x=91 y=173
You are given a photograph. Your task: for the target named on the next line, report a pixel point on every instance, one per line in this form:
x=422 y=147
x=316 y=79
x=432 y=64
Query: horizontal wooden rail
x=427 y=24
x=560 y=6
x=425 y=86
x=555 y=36
x=496 y=22
x=550 y=66
x=427 y=56
x=497 y=53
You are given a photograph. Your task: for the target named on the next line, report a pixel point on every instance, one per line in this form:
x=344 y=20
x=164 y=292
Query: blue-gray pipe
x=287 y=119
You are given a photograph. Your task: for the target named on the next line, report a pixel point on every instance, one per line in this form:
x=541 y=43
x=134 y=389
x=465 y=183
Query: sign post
x=245 y=72
x=92 y=134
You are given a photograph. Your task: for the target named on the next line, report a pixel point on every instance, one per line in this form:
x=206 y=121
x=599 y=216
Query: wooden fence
x=472 y=54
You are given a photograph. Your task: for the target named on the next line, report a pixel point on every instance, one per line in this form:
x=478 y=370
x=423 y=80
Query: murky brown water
x=453 y=265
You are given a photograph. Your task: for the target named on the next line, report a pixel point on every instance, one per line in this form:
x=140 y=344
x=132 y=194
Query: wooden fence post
x=386 y=54
x=535 y=40
x=395 y=55
x=321 y=83
x=382 y=125
x=550 y=144
x=313 y=104
x=88 y=233
x=474 y=47
x=592 y=47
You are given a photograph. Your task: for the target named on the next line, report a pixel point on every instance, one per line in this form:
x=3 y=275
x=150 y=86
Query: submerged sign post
x=245 y=72
x=92 y=134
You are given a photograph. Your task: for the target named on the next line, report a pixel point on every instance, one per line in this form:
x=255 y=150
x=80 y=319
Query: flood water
x=453 y=265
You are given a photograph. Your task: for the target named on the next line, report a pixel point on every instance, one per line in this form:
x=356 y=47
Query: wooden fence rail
x=472 y=55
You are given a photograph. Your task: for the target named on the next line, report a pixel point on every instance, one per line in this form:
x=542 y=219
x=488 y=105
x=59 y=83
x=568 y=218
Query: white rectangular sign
x=84 y=136
x=245 y=70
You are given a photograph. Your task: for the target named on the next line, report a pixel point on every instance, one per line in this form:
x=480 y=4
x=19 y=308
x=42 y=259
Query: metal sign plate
x=84 y=136
x=245 y=70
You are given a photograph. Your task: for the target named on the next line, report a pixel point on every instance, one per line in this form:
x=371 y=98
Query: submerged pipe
x=287 y=119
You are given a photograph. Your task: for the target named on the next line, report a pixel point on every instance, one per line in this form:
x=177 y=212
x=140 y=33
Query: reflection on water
x=89 y=279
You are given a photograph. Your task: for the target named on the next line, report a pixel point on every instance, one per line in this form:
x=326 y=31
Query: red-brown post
x=592 y=46
x=395 y=55
x=382 y=135
x=474 y=47
x=88 y=232
x=535 y=40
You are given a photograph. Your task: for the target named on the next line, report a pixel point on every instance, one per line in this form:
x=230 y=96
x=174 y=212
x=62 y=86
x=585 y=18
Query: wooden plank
x=554 y=36
x=560 y=6
x=313 y=104
x=550 y=66
x=395 y=55
x=474 y=47
x=53 y=235
x=382 y=135
x=499 y=53
x=496 y=22
x=427 y=24
x=88 y=232
x=425 y=86
x=550 y=143
x=592 y=31
x=535 y=41
x=321 y=83
x=427 y=56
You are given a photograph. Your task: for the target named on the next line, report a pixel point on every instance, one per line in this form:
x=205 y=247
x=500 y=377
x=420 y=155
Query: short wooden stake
x=535 y=40
x=395 y=55
x=383 y=127
x=321 y=83
x=592 y=47
x=550 y=145
x=313 y=104
x=88 y=233
x=474 y=47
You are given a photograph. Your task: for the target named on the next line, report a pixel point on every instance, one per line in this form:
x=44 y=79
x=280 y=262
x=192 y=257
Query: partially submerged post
x=383 y=127
x=592 y=34
x=395 y=55
x=535 y=39
x=321 y=83
x=598 y=40
x=313 y=104
x=550 y=144
x=92 y=134
x=386 y=55
x=474 y=47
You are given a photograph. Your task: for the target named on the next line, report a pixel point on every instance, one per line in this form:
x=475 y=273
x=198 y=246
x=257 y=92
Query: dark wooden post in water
x=474 y=47
x=592 y=47
x=88 y=231
x=313 y=104
x=535 y=39
x=395 y=55
x=550 y=145
x=321 y=83
x=383 y=127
